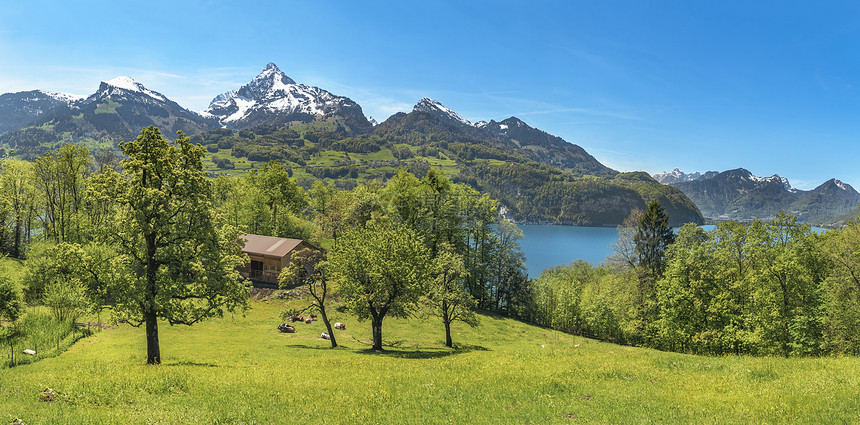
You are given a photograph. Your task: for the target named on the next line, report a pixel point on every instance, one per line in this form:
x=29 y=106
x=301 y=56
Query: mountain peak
x=514 y=121
x=273 y=98
x=433 y=107
x=835 y=184
x=63 y=97
x=271 y=79
x=678 y=176
x=127 y=83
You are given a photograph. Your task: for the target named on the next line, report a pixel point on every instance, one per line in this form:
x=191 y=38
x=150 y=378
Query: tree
x=452 y=302
x=507 y=276
x=60 y=177
x=16 y=186
x=181 y=265
x=282 y=196
x=69 y=278
x=10 y=311
x=380 y=271
x=624 y=248
x=308 y=267
x=653 y=236
x=10 y=301
x=785 y=297
x=842 y=290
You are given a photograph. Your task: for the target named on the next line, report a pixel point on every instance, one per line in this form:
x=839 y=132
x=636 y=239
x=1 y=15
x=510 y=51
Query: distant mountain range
x=538 y=177
x=739 y=195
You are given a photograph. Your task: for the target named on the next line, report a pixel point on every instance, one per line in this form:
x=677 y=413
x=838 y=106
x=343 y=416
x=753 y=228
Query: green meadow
x=242 y=370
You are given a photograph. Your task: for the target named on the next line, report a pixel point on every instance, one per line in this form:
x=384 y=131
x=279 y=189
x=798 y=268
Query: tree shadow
x=309 y=347
x=190 y=363
x=424 y=353
x=418 y=353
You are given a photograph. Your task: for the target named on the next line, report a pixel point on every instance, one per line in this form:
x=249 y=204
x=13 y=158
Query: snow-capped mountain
x=24 y=108
x=120 y=86
x=273 y=98
x=122 y=106
x=510 y=135
x=740 y=195
x=116 y=111
x=678 y=176
x=437 y=109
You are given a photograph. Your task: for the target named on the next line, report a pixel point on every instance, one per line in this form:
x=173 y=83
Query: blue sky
x=773 y=87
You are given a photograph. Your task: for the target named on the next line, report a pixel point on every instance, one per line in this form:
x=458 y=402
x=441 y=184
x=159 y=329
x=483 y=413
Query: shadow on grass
x=309 y=347
x=427 y=353
x=424 y=353
x=187 y=363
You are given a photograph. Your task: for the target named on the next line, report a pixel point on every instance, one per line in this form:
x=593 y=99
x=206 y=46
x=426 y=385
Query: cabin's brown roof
x=268 y=245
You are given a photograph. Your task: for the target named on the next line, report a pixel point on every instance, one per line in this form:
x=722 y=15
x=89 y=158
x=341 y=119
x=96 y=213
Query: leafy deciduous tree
x=380 y=271
x=181 y=263
x=308 y=267
x=452 y=302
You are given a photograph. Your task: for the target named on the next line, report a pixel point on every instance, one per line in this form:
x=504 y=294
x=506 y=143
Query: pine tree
x=653 y=236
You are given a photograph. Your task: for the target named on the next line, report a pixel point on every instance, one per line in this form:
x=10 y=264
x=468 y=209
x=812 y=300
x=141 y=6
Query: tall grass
x=41 y=333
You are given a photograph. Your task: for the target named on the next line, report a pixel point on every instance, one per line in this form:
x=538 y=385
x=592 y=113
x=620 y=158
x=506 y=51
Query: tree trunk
x=153 y=351
x=328 y=326
x=446 y=318
x=448 y=342
x=376 y=326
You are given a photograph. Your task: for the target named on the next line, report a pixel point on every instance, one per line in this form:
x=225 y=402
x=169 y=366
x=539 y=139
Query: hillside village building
x=268 y=256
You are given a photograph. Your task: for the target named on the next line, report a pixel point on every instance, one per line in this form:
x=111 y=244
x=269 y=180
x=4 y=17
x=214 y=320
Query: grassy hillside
x=241 y=370
x=530 y=191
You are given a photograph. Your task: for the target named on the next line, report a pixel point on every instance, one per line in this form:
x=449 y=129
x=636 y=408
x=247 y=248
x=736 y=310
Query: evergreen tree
x=652 y=238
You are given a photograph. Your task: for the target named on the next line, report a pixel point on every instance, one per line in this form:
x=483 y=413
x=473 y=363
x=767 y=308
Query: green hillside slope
x=586 y=193
x=241 y=370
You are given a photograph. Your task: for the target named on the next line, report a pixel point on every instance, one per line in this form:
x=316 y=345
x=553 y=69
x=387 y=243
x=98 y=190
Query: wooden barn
x=268 y=256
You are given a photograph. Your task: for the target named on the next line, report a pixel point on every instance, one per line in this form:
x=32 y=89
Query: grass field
x=241 y=370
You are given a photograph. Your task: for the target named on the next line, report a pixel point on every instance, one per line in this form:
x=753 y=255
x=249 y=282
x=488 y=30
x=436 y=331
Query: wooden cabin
x=268 y=255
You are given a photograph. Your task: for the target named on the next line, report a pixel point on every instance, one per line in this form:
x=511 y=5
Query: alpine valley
x=537 y=177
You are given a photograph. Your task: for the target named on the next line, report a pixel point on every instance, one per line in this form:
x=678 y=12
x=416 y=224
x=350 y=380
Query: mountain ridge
x=739 y=195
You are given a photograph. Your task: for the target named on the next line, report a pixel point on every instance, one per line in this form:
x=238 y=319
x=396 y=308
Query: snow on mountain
x=676 y=176
x=372 y=121
x=431 y=106
x=842 y=185
x=25 y=108
x=63 y=97
x=272 y=97
x=127 y=83
x=776 y=178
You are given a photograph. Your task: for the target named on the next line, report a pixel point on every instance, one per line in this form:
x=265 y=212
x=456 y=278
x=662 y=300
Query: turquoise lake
x=547 y=245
